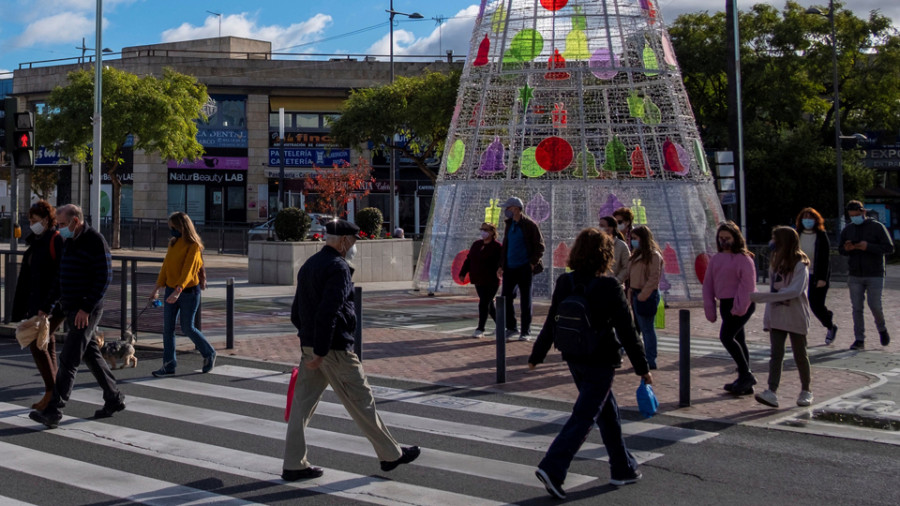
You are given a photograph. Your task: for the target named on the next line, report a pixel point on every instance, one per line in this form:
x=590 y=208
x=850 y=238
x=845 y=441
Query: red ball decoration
x=554 y=5
x=700 y=265
x=458 y=262
x=554 y=154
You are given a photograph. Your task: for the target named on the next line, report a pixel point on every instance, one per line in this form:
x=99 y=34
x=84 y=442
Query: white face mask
x=623 y=227
x=350 y=253
x=485 y=235
x=37 y=228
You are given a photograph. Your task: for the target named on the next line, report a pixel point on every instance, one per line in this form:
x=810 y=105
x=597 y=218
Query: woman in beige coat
x=644 y=271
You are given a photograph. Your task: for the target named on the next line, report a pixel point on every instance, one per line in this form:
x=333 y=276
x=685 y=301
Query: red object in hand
x=290 y=394
x=458 y=262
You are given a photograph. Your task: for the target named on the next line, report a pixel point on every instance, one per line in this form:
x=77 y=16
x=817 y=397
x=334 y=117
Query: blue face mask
x=808 y=223
x=635 y=243
x=176 y=234
x=771 y=245
x=857 y=220
x=66 y=233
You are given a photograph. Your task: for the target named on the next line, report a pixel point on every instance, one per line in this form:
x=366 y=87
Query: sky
x=40 y=30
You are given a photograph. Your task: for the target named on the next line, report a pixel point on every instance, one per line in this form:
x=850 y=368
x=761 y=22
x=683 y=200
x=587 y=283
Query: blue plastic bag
x=646 y=400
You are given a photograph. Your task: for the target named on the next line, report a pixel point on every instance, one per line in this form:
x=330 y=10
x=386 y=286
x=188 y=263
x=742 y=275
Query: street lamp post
x=392 y=179
x=837 y=113
x=98 y=109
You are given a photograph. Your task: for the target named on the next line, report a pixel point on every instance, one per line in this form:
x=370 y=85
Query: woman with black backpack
x=592 y=368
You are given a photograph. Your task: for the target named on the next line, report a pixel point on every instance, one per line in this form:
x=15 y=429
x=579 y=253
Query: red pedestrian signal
x=26 y=140
x=23 y=154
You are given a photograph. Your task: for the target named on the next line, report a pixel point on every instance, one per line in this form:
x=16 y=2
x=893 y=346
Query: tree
x=338 y=185
x=43 y=181
x=786 y=69
x=156 y=114
x=417 y=108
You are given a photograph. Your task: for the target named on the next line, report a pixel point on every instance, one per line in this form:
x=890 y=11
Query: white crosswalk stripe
x=484 y=441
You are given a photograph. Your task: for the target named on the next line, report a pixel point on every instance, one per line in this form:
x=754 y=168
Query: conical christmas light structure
x=577 y=107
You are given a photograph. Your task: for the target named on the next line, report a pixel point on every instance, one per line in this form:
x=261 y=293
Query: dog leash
x=151 y=302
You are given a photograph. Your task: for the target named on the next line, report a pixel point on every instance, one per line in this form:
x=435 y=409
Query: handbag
x=660 y=321
x=290 y=393
x=646 y=399
x=36 y=328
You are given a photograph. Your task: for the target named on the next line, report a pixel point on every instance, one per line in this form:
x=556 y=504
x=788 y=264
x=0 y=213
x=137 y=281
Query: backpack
x=573 y=334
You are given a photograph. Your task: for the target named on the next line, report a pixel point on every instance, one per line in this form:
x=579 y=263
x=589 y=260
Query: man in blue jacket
x=324 y=314
x=865 y=242
x=85 y=270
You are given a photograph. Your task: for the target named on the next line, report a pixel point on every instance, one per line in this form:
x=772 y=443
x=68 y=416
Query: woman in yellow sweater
x=180 y=276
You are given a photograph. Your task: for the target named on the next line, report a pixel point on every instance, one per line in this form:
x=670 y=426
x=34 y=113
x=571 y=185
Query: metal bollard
x=684 y=358
x=501 y=339
x=134 y=299
x=229 y=314
x=357 y=335
x=123 y=300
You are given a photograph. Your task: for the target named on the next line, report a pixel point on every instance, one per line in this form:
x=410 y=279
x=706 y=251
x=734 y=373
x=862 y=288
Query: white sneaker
x=805 y=398
x=478 y=334
x=768 y=398
x=526 y=337
x=512 y=335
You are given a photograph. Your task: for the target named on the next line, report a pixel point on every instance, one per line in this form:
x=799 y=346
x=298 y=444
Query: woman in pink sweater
x=731 y=278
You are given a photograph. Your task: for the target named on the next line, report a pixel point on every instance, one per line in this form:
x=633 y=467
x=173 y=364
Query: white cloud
x=453 y=34
x=59 y=28
x=243 y=25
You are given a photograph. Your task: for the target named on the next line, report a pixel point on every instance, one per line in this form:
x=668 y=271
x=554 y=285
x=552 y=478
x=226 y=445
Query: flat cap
x=854 y=205
x=341 y=227
x=514 y=202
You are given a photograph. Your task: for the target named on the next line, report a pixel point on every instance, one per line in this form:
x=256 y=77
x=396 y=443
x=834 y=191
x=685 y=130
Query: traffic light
x=23 y=140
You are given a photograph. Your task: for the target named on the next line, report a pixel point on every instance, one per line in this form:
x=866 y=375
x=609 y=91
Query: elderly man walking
x=85 y=271
x=324 y=314
x=521 y=259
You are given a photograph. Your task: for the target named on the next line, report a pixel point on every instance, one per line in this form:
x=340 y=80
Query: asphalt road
x=218 y=438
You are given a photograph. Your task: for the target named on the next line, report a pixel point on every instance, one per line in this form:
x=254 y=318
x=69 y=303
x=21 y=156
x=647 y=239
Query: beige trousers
x=343 y=371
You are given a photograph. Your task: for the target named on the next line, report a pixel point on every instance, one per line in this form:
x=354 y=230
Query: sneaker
x=301 y=474
x=209 y=362
x=805 y=398
x=555 y=489
x=47 y=417
x=109 y=410
x=626 y=480
x=885 y=337
x=768 y=398
x=525 y=336
x=478 y=334
x=858 y=345
x=512 y=335
x=829 y=336
x=162 y=371
x=410 y=453
x=743 y=386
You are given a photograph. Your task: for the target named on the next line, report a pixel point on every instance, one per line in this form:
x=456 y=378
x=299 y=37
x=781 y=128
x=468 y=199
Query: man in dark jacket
x=324 y=314
x=523 y=250
x=85 y=271
x=865 y=242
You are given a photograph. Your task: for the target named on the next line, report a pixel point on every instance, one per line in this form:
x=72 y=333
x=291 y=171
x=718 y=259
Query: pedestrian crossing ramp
x=218 y=438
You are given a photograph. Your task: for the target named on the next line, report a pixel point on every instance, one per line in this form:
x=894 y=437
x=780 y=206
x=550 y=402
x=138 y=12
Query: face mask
x=508 y=214
x=623 y=227
x=485 y=234
x=37 y=228
x=725 y=245
x=808 y=223
x=350 y=253
x=771 y=245
x=635 y=243
x=857 y=220
x=176 y=234
x=66 y=233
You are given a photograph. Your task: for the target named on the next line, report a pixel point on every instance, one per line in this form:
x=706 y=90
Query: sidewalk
x=263 y=332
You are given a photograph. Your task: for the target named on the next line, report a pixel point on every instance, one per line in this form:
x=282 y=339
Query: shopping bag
x=660 y=321
x=290 y=394
x=43 y=335
x=27 y=331
x=646 y=399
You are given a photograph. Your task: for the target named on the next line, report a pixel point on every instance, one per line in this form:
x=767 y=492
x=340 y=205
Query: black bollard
x=229 y=314
x=684 y=358
x=357 y=335
x=501 y=339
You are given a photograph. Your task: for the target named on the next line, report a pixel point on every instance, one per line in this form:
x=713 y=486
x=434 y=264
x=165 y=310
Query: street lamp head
x=416 y=15
x=817 y=11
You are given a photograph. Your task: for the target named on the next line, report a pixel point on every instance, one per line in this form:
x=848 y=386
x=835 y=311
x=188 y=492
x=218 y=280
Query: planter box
x=277 y=263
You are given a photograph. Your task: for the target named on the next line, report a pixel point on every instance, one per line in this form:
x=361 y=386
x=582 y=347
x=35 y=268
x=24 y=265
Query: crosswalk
x=217 y=438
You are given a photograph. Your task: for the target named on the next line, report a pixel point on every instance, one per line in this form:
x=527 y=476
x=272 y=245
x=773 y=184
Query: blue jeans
x=187 y=304
x=595 y=403
x=647 y=324
x=858 y=288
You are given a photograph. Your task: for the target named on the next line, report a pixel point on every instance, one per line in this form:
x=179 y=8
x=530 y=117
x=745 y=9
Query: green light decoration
x=701 y=157
x=652 y=114
x=498 y=19
x=650 y=63
x=525 y=46
x=526 y=93
x=635 y=104
x=456 y=156
x=492 y=212
x=640 y=212
x=576 y=40
x=616 y=158
x=585 y=159
x=529 y=164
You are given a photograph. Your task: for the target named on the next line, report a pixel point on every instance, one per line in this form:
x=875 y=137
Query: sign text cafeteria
x=320 y=157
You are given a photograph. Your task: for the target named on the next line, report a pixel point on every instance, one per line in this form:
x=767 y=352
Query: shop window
x=307 y=120
x=288 y=120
